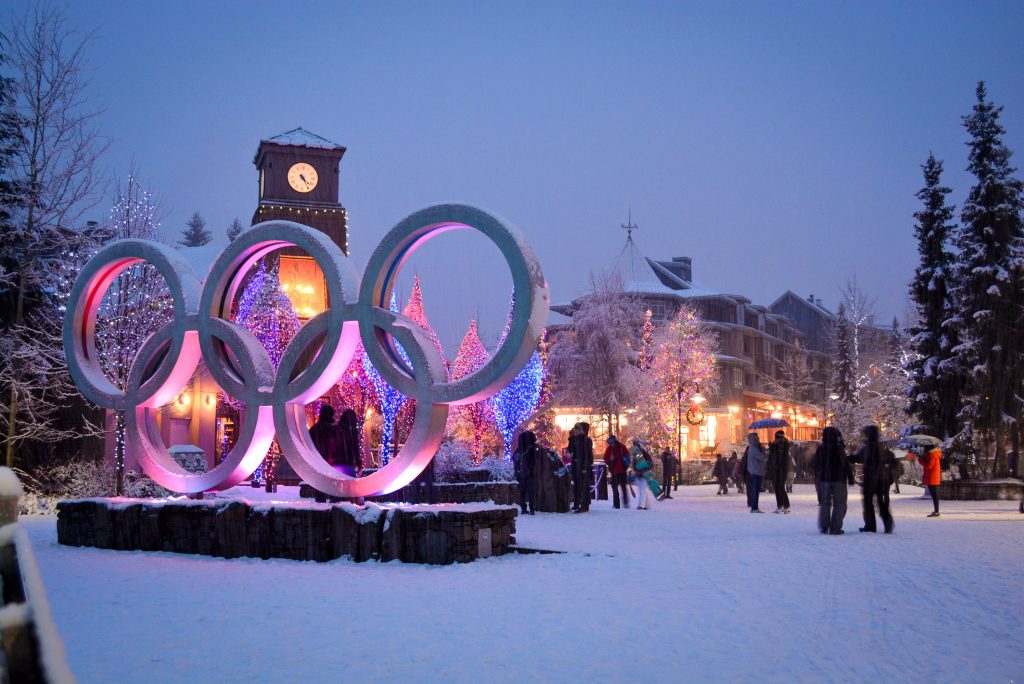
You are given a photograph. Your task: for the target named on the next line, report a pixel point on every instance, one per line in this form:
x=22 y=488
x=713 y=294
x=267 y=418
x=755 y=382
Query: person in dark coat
x=832 y=472
x=525 y=463
x=581 y=451
x=616 y=457
x=878 y=462
x=668 y=469
x=721 y=473
x=778 y=468
x=325 y=435
x=347 y=458
x=736 y=472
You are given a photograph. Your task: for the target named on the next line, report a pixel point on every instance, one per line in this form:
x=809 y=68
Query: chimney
x=684 y=267
x=810 y=298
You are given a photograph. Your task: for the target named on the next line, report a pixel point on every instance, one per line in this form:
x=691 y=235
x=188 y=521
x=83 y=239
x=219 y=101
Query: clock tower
x=298 y=181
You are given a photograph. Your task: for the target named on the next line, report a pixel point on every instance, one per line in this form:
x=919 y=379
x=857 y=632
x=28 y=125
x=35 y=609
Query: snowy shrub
x=500 y=469
x=453 y=459
x=454 y=462
x=80 y=479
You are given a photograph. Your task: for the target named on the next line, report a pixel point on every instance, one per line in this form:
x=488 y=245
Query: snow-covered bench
x=32 y=651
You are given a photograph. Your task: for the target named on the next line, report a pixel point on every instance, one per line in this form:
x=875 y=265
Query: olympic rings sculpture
x=274 y=402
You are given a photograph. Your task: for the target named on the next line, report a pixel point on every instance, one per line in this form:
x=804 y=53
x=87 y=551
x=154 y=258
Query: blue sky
x=777 y=144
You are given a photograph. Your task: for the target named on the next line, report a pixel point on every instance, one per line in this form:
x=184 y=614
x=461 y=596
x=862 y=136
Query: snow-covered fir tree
x=886 y=395
x=847 y=413
x=235 y=229
x=988 y=287
x=195 y=233
x=936 y=378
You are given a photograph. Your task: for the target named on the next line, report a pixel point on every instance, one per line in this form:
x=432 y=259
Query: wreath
x=695 y=415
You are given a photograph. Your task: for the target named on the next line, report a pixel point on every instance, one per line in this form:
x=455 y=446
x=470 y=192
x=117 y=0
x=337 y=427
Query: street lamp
x=829 y=406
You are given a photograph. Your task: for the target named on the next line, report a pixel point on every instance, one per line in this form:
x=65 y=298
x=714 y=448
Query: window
x=748 y=346
x=657 y=310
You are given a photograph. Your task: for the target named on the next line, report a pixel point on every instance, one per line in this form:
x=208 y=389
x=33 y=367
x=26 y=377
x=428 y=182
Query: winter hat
x=780 y=433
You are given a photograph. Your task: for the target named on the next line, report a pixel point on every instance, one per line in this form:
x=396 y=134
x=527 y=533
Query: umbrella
x=922 y=440
x=768 y=423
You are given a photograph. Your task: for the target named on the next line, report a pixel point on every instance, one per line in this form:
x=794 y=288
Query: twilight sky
x=777 y=144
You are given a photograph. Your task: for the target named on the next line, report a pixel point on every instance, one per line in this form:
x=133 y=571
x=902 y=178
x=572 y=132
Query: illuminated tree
x=683 y=361
x=390 y=400
x=265 y=310
x=356 y=391
x=471 y=421
x=544 y=426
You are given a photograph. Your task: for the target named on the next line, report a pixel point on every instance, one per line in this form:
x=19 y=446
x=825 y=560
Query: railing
x=32 y=650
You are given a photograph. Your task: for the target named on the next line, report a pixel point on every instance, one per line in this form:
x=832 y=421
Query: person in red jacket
x=932 y=464
x=616 y=456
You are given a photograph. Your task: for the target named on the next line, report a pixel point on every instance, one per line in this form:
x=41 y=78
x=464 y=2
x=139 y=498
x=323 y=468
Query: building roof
x=814 y=306
x=303 y=138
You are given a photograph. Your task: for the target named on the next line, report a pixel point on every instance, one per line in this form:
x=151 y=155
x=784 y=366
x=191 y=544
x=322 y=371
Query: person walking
x=831 y=473
x=525 y=465
x=932 y=464
x=668 y=470
x=878 y=463
x=721 y=473
x=642 y=464
x=778 y=467
x=616 y=457
x=755 y=459
x=737 y=472
x=581 y=451
x=897 y=473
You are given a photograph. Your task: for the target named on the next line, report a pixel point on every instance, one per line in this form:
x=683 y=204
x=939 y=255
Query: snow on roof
x=300 y=136
x=812 y=305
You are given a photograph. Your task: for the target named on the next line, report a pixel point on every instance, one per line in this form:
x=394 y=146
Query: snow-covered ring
x=275 y=402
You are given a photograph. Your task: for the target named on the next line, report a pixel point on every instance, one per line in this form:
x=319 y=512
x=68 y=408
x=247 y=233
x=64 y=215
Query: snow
x=300 y=136
x=10 y=485
x=696 y=589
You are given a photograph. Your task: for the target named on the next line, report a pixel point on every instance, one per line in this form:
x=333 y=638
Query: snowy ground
x=696 y=589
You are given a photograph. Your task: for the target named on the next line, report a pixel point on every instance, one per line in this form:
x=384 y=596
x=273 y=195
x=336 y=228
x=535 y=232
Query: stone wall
x=982 y=490
x=306 y=531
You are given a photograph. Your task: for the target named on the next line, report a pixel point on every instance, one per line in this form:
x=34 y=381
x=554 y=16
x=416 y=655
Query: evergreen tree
x=847 y=412
x=471 y=422
x=844 y=381
x=234 y=230
x=935 y=382
x=195 y=233
x=988 y=278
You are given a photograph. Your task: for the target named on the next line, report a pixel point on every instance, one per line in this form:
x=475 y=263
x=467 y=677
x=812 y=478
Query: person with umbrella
x=756 y=460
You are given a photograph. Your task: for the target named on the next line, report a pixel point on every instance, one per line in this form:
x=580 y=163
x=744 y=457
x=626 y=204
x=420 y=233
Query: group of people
x=337 y=439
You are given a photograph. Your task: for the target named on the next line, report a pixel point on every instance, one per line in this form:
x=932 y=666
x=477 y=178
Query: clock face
x=302 y=177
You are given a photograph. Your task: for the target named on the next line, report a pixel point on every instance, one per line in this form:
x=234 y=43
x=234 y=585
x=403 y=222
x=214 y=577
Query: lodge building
x=762 y=350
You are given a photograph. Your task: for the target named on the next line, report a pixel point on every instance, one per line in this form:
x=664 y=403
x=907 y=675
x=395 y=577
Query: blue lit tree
x=391 y=400
x=517 y=401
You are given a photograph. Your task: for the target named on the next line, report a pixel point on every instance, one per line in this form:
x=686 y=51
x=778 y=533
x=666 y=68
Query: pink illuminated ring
x=275 y=402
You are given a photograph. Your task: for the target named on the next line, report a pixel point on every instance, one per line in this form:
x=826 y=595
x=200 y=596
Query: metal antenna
x=629 y=226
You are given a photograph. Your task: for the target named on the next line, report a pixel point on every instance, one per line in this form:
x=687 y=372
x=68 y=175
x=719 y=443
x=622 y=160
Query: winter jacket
x=830 y=462
x=526 y=459
x=878 y=461
x=348 y=441
x=756 y=458
x=617 y=458
x=324 y=435
x=778 y=460
x=723 y=470
x=581 y=451
x=932 y=463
